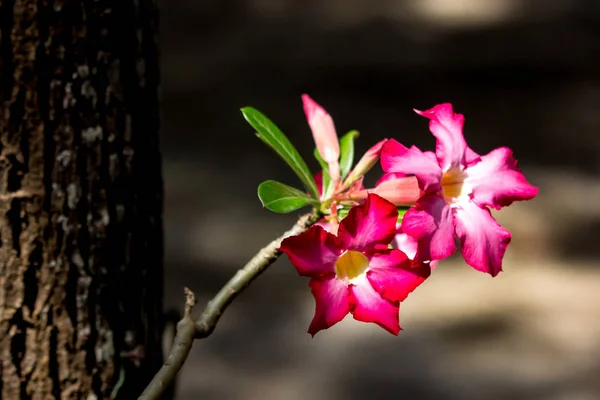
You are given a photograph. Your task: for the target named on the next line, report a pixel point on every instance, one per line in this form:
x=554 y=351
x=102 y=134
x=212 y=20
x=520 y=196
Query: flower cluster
x=355 y=271
x=374 y=246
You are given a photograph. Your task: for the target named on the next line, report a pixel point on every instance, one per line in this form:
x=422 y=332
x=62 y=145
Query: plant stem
x=189 y=329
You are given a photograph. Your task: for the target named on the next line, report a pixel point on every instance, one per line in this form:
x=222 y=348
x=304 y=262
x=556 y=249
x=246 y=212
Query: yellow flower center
x=452 y=184
x=351 y=264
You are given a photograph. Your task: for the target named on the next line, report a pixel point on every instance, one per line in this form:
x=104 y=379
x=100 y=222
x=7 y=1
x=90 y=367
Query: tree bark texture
x=80 y=199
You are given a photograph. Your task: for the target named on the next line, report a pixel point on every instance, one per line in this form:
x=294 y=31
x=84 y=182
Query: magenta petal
x=395 y=158
x=319 y=181
x=370 y=306
x=483 y=240
x=369 y=224
x=394 y=276
x=313 y=252
x=332 y=303
x=447 y=128
x=430 y=221
x=496 y=180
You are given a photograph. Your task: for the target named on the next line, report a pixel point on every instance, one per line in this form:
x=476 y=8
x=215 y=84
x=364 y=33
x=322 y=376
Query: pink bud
x=368 y=160
x=323 y=130
x=399 y=191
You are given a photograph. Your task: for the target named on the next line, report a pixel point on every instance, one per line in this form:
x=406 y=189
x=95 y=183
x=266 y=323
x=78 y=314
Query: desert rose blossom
x=354 y=271
x=458 y=187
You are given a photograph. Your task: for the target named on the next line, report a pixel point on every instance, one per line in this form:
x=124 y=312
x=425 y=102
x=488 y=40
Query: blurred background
x=526 y=74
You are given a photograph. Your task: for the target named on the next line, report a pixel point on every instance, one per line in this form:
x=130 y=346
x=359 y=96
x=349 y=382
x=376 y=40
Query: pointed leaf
x=347 y=152
x=318 y=157
x=271 y=135
x=280 y=198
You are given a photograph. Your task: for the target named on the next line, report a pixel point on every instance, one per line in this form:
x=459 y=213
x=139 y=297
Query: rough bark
x=80 y=199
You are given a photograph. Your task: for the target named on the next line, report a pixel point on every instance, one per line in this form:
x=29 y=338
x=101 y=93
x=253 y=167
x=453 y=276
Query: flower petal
x=313 y=252
x=430 y=222
x=329 y=225
x=471 y=157
x=496 y=180
x=332 y=303
x=401 y=191
x=405 y=243
x=483 y=240
x=369 y=224
x=447 y=128
x=370 y=306
x=395 y=158
x=396 y=188
x=318 y=177
x=323 y=130
x=393 y=275
x=387 y=177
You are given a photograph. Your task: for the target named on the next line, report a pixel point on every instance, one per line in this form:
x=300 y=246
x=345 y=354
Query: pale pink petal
x=496 y=181
x=483 y=240
x=430 y=221
x=323 y=130
x=393 y=275
x=429 y=154
x=313 y=252
x=401 y=191
x=405 y=243
x=395 y=158
x=368 y=160
x=471 y=157
x=387 y=177
x=370 y=306
x=369 y=224
x=447 y=127
x=332 y=303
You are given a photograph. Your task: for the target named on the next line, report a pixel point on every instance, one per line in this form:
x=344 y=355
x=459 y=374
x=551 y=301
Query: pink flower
x=324 y=134
x=408 y=245
x=355 y=271
x=459 y=185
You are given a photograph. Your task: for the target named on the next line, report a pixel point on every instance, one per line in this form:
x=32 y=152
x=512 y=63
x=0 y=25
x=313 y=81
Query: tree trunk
x=80 y=199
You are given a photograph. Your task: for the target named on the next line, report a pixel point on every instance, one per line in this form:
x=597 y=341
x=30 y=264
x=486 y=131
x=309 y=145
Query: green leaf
x=280 y=198
x=272 y=136
x=347 y=152
x=322 y=163
x=326 y=177
x=343 y=212
x=401 y=212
